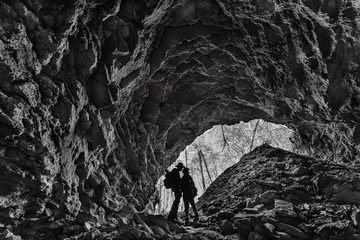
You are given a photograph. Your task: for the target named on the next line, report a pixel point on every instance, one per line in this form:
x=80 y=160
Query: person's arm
x=193 y=187
x=191 y=181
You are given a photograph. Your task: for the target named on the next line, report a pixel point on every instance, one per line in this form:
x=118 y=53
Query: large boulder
x=304 y=205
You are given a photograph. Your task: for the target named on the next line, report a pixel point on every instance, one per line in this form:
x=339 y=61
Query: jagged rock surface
x=275 y=194
x=97 y=96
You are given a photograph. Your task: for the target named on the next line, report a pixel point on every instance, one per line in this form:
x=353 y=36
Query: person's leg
x=176 y=203
x=175 y=206
x=192 y=202
x=171 y=213
x=186 y=205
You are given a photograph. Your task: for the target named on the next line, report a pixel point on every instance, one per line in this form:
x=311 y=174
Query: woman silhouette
x=189 y=192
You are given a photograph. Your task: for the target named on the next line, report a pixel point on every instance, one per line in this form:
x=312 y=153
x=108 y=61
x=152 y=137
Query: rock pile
x=274 y=194
x=132 y=226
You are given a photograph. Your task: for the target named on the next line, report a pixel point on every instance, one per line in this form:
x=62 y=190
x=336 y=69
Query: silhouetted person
x=176 y=188
x=189 y=192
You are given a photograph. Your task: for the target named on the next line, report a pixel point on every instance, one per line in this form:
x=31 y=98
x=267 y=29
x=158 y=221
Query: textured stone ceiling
x=98 y=96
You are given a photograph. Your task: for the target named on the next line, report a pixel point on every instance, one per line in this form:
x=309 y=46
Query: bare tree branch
x=206 y=166
x=201 y=170
x=253 y=136
x=224 y=137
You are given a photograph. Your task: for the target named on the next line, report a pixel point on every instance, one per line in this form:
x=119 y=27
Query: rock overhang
x=229 y=62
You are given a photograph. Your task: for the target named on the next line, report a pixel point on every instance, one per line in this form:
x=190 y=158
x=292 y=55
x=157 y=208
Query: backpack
x=194 y=191
x=169 y=180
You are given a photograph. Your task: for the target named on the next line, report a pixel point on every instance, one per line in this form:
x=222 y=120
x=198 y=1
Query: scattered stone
x=138 y=219
x=250 y=203
x=264 y=231
x=259 y=207
x=284 y=208
x=294 y=231
x=144 y=236
x=329 y=229
x=281 y=166
x=88 y=226
x=300 y=171
x=57 y=224
x=227 y=227
x=129 y=232
x=306 y=206
x=270 y=184
x=270 y=227
x=339 y=187
x=282 y=227
x=213 y=210
x=256 y=236
x=95 y=233
x=85 y=125
x=205 y=234
x=198 y=225
x=6 y=234
x=61 y=237
x=268 y=197
x=158 y=231
x=83 y=217
x=243 y=224
x=356 y=236
x=346 y=196
x=15 y=237
x=146 y=228
x=50 y=235
x=225 y=215
x=186 y=236
x=232 y=237
x=355 y=216
x=284 y=236
x=73 y=229
x=251 y=210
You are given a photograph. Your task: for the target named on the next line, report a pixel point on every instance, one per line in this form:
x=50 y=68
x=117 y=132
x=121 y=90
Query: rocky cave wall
x=98 y=96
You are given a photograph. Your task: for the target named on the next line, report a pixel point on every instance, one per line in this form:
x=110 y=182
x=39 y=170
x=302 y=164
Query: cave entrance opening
x=218 y=148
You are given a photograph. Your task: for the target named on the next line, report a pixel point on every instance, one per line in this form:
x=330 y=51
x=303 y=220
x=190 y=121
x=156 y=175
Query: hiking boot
x=171 y=218
x=174 y=220
x=179 y=222
x=187 y=223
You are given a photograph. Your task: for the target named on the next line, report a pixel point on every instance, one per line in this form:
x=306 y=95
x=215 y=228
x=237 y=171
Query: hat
x=180 y=164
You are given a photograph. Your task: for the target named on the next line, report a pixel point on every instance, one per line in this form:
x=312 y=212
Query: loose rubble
x=282 y=195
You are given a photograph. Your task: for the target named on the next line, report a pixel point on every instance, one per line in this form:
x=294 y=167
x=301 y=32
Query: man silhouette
x=176 y=188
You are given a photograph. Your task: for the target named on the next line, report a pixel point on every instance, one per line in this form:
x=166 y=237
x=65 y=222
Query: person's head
x=180 y=166
x=185 y=171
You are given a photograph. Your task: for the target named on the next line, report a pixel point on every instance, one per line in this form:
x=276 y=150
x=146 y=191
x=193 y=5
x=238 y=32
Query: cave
x=99 y=97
